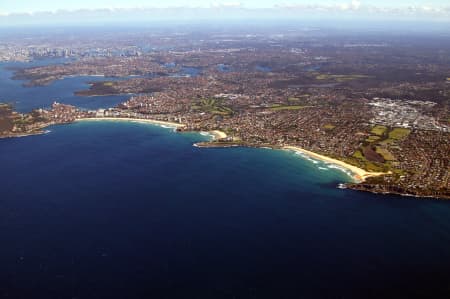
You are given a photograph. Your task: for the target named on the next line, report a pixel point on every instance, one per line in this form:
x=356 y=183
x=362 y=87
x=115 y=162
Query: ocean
x=132 y=210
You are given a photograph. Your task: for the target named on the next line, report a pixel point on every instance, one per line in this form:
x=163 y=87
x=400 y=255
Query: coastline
x=24 y=134
x=216 y=134
x=139 y=120
x=359 y=174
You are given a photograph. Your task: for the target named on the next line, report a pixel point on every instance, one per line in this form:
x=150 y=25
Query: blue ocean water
x=130 y=210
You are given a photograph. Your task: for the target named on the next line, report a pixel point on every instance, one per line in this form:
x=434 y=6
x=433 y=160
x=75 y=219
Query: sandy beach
x=218 y=134
x=140 y=120
x=360 y=175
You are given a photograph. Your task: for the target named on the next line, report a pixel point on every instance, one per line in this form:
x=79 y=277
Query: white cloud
x=226 y=4
x=344 y=7
x=356 y=4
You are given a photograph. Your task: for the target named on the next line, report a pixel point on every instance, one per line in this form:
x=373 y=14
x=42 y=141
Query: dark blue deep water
x=128 y=210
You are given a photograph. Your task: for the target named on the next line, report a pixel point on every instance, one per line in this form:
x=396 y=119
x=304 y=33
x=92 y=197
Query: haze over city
x=13 y=13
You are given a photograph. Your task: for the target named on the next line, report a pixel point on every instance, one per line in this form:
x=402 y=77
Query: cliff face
x=6 y=124
x=7 y=119
x=13 y=124
x=442 y=193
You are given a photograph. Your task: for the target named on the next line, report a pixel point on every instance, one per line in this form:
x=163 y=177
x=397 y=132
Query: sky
x=17 y=6
x=44 y=11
